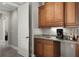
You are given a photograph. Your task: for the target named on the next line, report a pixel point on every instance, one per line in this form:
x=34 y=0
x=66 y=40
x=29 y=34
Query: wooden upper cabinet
x=70 y=14
x=59 y=13
x=42 y=18
x=53 y=14
x=56 y=14
x=77 y=13
x=50 y=13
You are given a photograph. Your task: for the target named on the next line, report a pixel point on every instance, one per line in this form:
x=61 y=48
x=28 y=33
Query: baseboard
x=14 y=47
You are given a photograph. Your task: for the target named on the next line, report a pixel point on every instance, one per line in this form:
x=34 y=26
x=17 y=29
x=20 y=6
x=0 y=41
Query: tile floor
x=6 y=51
x=9 y=52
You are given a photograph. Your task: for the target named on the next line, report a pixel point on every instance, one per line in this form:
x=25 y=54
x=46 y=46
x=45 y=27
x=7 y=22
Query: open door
x=23 y=30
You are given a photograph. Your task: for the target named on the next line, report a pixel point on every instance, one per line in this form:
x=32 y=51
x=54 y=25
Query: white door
x=23 y=30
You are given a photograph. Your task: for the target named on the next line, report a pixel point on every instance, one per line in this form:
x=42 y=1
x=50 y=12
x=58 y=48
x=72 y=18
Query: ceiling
x=9 y=6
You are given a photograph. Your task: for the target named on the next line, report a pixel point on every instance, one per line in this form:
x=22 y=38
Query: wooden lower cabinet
x=46 y=48
x=38 y=47
x=77 y=50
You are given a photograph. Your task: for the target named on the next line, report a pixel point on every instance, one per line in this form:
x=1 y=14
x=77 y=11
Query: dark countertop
x=52 y=37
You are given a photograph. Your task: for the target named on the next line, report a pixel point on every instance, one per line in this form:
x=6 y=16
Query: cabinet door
x=48 y=50
x=42 y=19
x=77 y=13
x=70 y=14
x=57 y=50
x=38 y=47
x=59 y=14
x=51 y=48
x=77 y=50
x=50 y=13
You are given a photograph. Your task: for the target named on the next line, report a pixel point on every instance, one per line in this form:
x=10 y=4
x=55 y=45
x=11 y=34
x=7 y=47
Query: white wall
x=13 y=28
x=35 y=14
x=5 y=18
x=34 y=17
x=1 y=31
x=5 y=26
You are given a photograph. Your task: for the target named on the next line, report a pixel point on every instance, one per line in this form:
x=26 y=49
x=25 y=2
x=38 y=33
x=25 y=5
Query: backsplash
x=66 y=31
x=52 y=31
x=37 y=31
